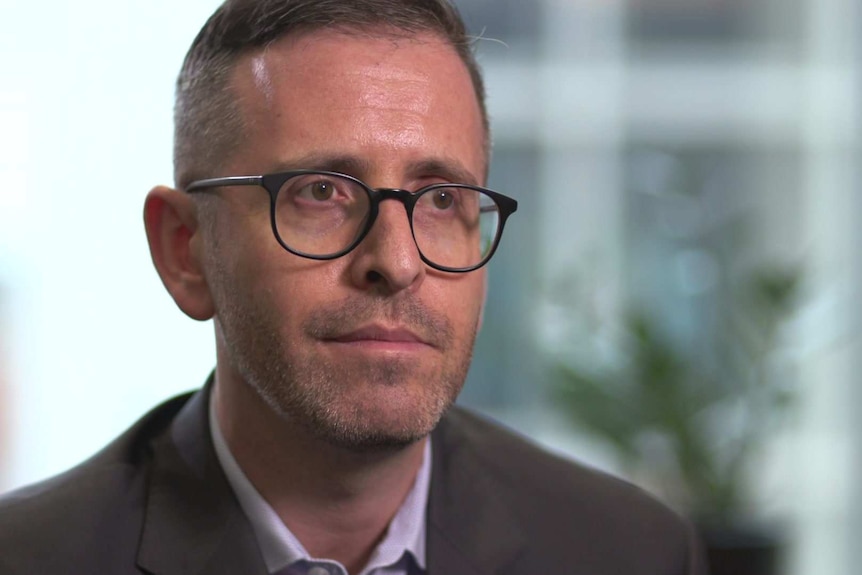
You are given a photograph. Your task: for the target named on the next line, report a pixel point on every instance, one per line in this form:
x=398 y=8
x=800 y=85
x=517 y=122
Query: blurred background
x=675 y=300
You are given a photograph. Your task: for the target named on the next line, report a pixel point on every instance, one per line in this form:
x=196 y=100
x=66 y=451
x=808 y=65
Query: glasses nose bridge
x=406 y=197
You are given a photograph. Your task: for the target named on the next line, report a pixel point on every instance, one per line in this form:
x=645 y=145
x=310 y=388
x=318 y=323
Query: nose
x=388 y=260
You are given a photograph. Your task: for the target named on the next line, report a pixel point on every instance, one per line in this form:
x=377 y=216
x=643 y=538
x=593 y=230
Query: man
x=329 y=216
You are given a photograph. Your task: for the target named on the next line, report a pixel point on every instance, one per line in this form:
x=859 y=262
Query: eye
x=443 y=199
x=321 y=191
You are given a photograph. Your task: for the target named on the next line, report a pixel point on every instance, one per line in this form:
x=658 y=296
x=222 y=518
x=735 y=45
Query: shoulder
x=73 y=513
x=517 y=462
x=565 y=508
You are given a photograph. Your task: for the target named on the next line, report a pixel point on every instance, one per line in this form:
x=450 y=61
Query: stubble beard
x=306 y=387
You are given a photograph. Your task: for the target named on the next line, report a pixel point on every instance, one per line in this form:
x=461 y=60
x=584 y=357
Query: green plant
x=695 y=417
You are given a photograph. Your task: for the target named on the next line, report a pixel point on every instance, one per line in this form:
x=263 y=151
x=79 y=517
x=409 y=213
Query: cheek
x=461 y=298
x=252 y=274
x=287 y=288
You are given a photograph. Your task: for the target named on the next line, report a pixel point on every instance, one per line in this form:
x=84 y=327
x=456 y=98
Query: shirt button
x=318 y=570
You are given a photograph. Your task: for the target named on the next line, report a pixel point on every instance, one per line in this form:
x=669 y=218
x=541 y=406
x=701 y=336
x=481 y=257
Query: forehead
x=369 y=96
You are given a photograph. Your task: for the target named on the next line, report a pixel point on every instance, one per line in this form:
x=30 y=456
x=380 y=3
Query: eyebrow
x=448 y=169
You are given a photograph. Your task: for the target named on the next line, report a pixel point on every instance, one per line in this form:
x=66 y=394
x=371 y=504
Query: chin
x=365 y=418
x=381 y=421
x=360 y=406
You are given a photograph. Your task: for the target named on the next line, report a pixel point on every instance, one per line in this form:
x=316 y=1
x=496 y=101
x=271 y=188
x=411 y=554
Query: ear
x=170 y=218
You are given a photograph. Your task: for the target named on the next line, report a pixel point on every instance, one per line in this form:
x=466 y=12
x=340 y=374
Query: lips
x=377 y=334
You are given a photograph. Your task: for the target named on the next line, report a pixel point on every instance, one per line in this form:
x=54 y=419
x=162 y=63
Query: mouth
x=381 y=338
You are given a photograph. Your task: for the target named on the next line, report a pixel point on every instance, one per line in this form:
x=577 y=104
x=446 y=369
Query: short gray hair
x=207 y=119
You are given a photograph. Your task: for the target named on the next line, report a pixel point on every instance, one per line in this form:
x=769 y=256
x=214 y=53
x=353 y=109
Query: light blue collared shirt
x=401 y=552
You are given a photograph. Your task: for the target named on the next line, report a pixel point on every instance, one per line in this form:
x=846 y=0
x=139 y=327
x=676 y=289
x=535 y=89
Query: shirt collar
x=280 y=548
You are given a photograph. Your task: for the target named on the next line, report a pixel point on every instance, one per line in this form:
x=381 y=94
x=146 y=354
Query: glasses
x=324 y=215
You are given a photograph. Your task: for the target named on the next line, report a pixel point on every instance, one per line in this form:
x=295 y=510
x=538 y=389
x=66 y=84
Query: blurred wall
x=93 y=340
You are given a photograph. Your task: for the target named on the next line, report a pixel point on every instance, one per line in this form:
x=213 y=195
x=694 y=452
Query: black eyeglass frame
x=272 y=183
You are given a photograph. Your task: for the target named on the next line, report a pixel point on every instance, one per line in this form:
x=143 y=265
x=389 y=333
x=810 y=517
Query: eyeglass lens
x=320 y=215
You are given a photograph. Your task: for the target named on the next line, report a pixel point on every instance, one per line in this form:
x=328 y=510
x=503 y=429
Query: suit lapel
x=193 y=523
x=470 y=529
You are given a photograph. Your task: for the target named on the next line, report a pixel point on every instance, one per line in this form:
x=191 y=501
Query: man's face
x=367 y=350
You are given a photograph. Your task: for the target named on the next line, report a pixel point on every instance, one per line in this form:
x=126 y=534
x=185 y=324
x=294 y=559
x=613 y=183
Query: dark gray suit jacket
x=156 y=501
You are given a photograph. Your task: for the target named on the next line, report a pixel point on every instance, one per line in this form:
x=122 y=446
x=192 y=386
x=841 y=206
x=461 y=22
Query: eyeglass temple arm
x=227 y=181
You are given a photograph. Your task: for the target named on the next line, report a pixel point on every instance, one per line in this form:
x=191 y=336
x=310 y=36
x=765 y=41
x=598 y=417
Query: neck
x=337 y=502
